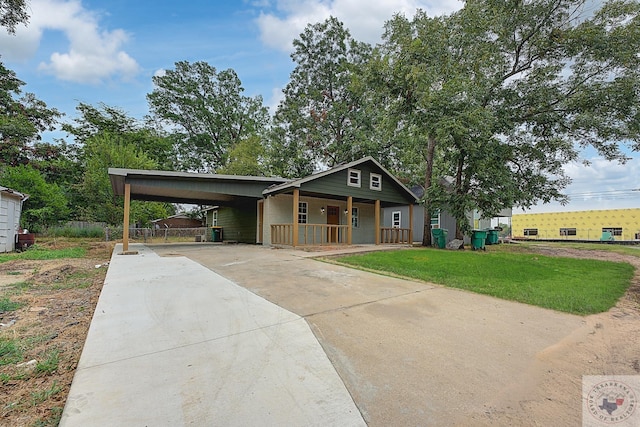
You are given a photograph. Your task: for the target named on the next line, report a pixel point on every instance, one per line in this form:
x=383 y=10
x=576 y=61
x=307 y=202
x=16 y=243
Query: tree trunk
x=431 y=148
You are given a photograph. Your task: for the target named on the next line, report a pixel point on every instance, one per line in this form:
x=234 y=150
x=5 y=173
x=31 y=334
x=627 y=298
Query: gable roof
x=11 y=192
x=279 y=188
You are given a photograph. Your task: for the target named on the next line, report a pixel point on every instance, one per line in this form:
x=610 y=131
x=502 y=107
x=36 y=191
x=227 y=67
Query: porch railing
x=309 y=234
x=394 y=235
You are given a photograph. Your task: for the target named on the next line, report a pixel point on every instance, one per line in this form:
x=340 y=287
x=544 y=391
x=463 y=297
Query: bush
x=81 y=232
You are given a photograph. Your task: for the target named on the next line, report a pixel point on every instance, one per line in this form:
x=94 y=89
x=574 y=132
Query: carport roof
x=187 y=187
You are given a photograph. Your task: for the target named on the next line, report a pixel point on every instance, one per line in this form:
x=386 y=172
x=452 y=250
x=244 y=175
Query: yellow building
x=619 y=224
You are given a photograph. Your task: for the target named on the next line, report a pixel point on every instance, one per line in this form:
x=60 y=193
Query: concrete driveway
x=409 y=353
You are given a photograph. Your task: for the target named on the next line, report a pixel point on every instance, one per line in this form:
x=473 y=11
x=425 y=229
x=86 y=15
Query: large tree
x=206 y=112
x=22 y=119
x=500 y=95
x=322 y=119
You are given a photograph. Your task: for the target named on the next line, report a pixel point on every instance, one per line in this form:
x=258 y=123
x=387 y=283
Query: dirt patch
x=550 y=392
x=57 y=299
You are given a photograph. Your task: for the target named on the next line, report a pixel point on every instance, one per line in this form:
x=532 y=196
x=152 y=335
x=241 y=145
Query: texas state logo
x=610 y=400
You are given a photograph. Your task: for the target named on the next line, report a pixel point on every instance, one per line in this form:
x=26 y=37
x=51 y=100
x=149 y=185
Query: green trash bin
x=216 y=234
x=478 y=239
x=440 y=237
x=492 y=237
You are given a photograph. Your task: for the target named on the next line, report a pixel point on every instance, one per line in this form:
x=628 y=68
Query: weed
x=38 y=397
x=7 y=305
x=10 y=351
x=50 y=364
x=52 y=420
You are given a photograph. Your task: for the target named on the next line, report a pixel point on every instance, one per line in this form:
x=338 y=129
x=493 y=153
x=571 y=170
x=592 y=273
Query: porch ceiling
x=383 y=203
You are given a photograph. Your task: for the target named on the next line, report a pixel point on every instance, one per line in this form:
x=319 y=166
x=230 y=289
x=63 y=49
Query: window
x=214 y=219
x=353 y=178
x=530 y=231
x=396 y=219
x=615 y=231
x=354 y=218
x=375 y=182
x=302 y=212
x=435 y=219
x=568 y=231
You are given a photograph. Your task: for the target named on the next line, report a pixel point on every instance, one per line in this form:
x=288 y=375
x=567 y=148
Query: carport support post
x=125 y=226
x=296 y=206
x=411 y=224
x=376 y=211
x=349 y=219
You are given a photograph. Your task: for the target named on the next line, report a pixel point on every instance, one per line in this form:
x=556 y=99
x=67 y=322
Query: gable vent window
x=375 y=182
x=353 y=178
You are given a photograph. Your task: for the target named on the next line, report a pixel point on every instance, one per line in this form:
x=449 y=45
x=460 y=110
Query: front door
x=333 y=218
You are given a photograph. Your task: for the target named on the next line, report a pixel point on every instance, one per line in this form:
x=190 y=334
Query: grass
x=10 y=351
x=7 y=305
x=571 y=285
x=37 y=253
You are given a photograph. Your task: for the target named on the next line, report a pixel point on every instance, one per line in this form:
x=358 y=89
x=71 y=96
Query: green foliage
x=37 y=253
x=49 y=364
x=208 y=111
x=10 y=351
x=44 y=395
x=7 y=305
x=47 y=203
x=76 y=232
x=246 y=158
x=499 y=96
x=12 y=13
x=322 y=118
x=577 y=286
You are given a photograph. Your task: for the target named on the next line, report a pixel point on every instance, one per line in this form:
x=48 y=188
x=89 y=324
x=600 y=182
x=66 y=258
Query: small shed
x=10 y=209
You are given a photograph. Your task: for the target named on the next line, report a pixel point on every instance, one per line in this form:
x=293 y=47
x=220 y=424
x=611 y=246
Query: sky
x=98 y=51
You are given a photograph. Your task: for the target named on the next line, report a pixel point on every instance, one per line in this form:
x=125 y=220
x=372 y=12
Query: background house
x=10 y=210
x=180 y=220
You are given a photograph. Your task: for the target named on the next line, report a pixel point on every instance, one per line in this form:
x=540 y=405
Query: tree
x=322 y=119
x=47 y=203
x=12 y=13
x=103 y=151
x=506 y=93
x=21 y=119
x=207 y=113
x=246 y=158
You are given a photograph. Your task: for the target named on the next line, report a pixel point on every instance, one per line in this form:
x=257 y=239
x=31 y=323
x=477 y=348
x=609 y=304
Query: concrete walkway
x=173 y=343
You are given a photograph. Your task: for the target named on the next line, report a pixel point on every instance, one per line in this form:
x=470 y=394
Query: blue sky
x=97 y=51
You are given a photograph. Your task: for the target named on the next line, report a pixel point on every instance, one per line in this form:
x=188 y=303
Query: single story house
x=180 y=220
x=342 y=205
x=10 y=210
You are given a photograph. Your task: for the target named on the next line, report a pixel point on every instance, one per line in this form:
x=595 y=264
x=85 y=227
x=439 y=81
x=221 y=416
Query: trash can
x=216 y=234
x=440 y=237
x=492 y=237
x=478 y=239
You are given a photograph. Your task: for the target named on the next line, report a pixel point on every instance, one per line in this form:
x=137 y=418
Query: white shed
x=10 y=209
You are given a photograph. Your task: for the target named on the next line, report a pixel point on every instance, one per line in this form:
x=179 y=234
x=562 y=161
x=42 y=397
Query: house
x=10 y=210
x=342 y=205
x=607 y=224
x=398 y=217
x=180 y=220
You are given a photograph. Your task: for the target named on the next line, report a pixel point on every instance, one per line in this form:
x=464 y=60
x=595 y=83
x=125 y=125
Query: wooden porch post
x=296 y=203
x=125 y=226
x=377 y=221
x=349 y=219
x=411 y=224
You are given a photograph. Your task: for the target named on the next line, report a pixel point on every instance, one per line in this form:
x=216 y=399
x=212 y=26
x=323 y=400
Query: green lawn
x=571 y=285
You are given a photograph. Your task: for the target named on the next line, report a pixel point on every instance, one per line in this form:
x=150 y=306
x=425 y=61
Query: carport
x=185 y=187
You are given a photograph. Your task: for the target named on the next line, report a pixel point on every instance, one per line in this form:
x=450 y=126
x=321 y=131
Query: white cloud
x=364 y=18
x=93 y=55
x=600 y=185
